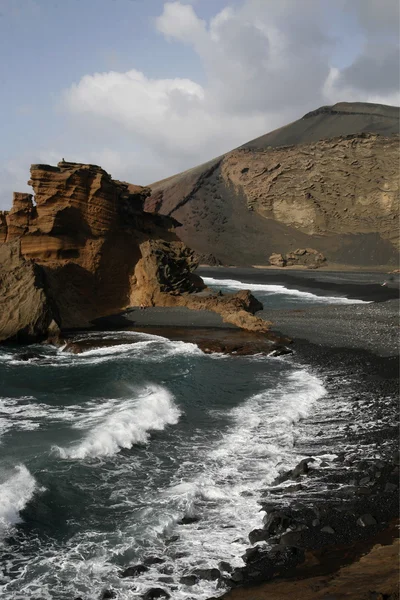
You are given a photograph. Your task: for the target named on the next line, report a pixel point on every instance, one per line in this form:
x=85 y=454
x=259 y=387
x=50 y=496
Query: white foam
x=15 y=493
x=128 y=424
x=278 y=289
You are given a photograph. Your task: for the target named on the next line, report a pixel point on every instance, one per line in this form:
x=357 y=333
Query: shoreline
x=364 y=286
x=329 y=562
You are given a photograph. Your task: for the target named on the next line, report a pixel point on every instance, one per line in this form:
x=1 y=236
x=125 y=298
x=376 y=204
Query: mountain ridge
x=328 y=180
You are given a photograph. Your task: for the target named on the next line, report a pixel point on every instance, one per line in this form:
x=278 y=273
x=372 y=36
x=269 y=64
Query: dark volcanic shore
x=334 y=536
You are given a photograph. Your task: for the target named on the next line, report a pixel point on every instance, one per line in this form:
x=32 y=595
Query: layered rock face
x=27 y=314
x=329 y=181
x=84 y=248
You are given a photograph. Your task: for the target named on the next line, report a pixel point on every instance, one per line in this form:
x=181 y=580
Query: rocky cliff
x=83 y=247
x=329 y=181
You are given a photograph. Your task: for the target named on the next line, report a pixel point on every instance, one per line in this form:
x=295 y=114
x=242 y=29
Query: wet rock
x=291 y=538
x=189 y=580
x=237 y=576
x=258 y=535
x=366 y=520
x=225 y=566
x=187 y=520
x=155 y=593
x=365 y=480
x=108 y=594
x=328 y=529
x=276 y=522
x=207 y=574
x=134 y=571
x=390 y=487
x=153 y=560
x=316 y=523
x=302 y=468
x=25 y=356
x=166 y=579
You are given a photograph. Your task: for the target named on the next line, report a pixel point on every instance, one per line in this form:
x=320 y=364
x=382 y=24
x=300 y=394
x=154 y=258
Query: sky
x=149 y=88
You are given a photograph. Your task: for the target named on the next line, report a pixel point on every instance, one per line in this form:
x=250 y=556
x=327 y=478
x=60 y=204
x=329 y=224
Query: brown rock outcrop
x=277 y=260
x=27 y=313
x=98 y=252
x=301 y=257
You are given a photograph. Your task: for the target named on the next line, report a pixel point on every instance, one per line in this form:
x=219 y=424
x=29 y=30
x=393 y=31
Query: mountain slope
x=327 y=181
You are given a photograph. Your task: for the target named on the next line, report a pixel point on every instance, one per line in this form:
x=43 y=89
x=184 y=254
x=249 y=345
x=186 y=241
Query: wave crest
x=129 y=424
x=15 y=493
x=279 y=289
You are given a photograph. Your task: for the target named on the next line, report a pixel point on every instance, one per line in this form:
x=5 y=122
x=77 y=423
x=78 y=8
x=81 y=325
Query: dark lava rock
x=154 y=593
x=302 y=468
x=108 y=594
x=225 y=566
x=390 y=487
x=166 y=579
x=291 y=538
x=188 y=520
x=366 y=520
x=189 y=580
x=277 y=521
x=262 y=563
x=208 y=574
x=153 y=560
x=134 y=571
x=27 y=356
x=258 y=535
x=328 y=529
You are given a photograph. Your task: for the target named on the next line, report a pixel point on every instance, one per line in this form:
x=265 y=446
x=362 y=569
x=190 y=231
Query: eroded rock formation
x=96 y=252
x=301 y=257
x=27 y=314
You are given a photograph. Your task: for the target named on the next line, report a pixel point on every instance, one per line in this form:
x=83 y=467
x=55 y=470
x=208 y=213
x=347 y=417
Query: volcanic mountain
x=329 y=181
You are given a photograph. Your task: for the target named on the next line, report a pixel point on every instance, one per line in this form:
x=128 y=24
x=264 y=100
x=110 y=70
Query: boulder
x=302 y=468
x=153 y=560
x=306 y=257
x=277 y=260
x=225 y=566
x=277 y=521
x=108 y=595
x=189 y=580
x=134 y=570
x=366 y=520
x=258 y=535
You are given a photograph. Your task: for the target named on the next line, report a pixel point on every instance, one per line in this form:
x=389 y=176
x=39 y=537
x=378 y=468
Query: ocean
x=150 y=452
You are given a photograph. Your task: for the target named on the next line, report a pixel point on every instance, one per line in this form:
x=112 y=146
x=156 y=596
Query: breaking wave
x=15 y=493
x=131 y=422
x=279 y=289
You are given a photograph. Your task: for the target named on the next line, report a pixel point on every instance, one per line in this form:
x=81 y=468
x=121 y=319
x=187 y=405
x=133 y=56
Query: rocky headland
x=83 y=247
